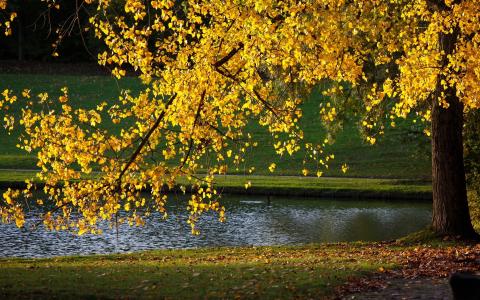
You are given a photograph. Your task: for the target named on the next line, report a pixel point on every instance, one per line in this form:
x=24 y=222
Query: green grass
x=261 y=272
x=427 y=236
x=311 y=271
x=325 y=183
x=292 y=186
x=394 y=156
x=84 y=91
x=324 y=186
x=8 y=176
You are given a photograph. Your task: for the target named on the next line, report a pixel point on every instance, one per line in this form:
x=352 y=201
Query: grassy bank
x=310 y=271
x=398 y=155
x=364 y=188
x=263 y=273
x=292 y=186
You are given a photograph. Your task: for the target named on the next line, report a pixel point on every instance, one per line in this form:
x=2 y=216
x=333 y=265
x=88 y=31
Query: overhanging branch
x=190 y=144
x=229 y=56
x=145 y=139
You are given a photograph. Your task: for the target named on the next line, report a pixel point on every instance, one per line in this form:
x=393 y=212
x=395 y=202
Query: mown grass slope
x=397 y=155
x=253 y=273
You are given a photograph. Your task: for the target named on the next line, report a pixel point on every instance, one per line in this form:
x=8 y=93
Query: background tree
x=472 y=163
x=210 y=68
x=39 y=30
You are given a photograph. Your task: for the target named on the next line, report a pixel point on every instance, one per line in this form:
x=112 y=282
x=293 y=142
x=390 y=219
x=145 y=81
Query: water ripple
x=251 y=220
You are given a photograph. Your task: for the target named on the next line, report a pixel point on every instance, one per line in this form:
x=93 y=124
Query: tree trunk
x=450 y=207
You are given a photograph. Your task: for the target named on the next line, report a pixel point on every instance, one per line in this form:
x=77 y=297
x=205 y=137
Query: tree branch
x=197 y=115
x=227 y=57
x=145 y=139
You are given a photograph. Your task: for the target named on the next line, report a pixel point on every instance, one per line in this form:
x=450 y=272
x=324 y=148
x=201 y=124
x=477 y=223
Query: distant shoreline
x=295 y=186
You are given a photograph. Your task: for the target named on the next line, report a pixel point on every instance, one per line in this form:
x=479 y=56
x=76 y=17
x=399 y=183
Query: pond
x=251 y=220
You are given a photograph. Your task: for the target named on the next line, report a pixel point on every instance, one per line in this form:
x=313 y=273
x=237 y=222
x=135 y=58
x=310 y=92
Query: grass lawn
x=295 y=182
x=263 y=272
x=281 y=272
x=397 y=155
x=292 y=185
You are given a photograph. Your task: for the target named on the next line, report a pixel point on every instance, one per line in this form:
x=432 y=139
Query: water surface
x=251 y=220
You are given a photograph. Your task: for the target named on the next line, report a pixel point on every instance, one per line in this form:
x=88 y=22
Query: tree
x=44 y=27
x=472 y=163
x=211 y=67
x=450 y=207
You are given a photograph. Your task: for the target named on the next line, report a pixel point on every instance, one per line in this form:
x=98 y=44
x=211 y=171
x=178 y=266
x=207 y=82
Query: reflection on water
x=251 y=220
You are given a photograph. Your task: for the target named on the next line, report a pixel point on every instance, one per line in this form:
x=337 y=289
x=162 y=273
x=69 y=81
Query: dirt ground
x=401 y=288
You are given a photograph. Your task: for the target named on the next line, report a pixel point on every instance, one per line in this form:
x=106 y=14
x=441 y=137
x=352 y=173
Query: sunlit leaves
x=209 y=69
x=6 y=18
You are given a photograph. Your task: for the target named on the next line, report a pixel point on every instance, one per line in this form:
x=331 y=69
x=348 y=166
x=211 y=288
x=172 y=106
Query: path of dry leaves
x=423 y=275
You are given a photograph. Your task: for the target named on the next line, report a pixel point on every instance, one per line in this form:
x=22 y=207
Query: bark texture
x=450 y=206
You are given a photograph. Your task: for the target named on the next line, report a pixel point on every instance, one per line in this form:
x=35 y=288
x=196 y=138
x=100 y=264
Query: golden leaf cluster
x=6 y=18
x=209 y=69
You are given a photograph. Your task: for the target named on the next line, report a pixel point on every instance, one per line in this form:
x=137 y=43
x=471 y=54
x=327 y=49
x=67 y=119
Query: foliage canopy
x=210 y=68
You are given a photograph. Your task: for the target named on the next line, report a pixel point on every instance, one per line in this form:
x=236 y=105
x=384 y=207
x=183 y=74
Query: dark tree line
x=472 y=162
x=37 y=29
